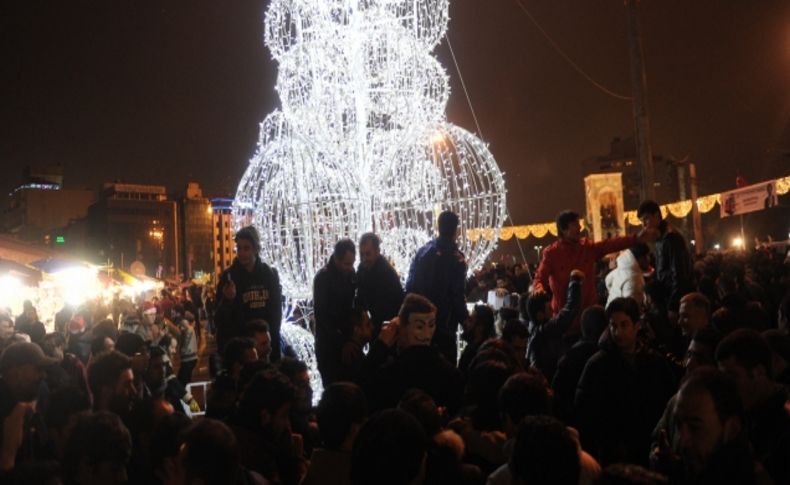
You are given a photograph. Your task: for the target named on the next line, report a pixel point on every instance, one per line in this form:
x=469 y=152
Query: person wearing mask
x=438 y=272
x=402 y=358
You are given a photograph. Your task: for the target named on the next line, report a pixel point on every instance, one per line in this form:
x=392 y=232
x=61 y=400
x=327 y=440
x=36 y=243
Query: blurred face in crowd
x=304 y=392
x=77 y=324
x=697 y=356
x=30 y=314
x=124 y=393
x=6 y=328
x=420 y=329
x=691 y=318
x=623 y=331
x=155 y=375
x=108 y=346
x=363 y=331
x=368 y=254
x=24 y=381
x=245 y=251
x=149 y=316
x=651 y=221
x=699 y=430
x=520 y=346
x=573 y=232
x=749 y=382
x=140 y=361
x=249 y=356
x=104 y=473
x=263 y=345
x=346 y=263
x=280 y=422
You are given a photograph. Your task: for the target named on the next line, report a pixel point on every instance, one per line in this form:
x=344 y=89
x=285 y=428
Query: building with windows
x=197 y=233
x=222 y=234
x=39 y=206
x=670 y=177
x=135 y=226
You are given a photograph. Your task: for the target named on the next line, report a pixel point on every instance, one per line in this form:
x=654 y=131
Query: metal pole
x=680 y=167
x=696 y=218
x=639 y=91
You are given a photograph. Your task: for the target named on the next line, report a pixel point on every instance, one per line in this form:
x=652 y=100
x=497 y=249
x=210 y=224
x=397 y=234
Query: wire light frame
x=361 y=142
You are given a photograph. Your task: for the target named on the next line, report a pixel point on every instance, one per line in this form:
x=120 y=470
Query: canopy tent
x=28 y=275
x=55 y=264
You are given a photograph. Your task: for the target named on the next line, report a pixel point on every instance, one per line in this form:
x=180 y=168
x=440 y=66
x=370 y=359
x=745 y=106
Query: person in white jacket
x=628 y=280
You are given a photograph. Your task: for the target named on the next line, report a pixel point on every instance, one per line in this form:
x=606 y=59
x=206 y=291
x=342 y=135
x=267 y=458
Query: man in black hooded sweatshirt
x=248 y=290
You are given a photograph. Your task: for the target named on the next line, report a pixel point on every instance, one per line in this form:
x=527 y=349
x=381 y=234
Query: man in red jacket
x=572 y=251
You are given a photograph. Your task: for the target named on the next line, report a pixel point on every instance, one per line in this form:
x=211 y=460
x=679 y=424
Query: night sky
x=161 y=92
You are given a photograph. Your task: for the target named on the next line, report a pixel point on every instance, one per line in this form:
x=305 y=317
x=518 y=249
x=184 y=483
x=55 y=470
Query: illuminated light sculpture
x=361 y=142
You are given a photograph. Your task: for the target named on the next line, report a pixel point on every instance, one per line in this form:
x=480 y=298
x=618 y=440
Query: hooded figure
x=627 y=280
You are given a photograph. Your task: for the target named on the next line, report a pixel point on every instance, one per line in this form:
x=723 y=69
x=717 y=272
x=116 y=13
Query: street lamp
x=537 y=250
x=737 y=242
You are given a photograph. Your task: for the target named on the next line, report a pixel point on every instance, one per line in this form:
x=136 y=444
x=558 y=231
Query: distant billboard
x=749 y=199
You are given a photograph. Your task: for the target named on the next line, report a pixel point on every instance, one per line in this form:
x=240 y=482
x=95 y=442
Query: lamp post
x=538 y=248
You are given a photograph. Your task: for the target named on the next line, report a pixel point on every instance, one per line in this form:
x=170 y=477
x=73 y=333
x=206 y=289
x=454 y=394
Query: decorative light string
x=361 y=141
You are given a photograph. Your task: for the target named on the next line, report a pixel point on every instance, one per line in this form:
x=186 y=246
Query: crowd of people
x=649 y=366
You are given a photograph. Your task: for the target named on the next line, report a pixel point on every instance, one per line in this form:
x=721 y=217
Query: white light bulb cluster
x=361 y=142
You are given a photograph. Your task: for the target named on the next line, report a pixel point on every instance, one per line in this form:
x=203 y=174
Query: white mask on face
x=420 y=329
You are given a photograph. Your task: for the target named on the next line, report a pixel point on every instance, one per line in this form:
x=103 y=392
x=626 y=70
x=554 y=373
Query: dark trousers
x=445 y=340
x=185 y=371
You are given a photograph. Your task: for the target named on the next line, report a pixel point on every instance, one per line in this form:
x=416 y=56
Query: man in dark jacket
x=746 y=356
x=334 y=287
x=571 y=365
x=673 y=261
x=622 y=391
x=378 y=286
x=248 y=290
x=438 y=272
x=263 y=429
x=403 y=358
x=712 y=447
x=546 y=329
x=22 y=366
x=479 y=327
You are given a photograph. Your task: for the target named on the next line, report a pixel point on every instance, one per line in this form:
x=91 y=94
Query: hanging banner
x=749 y=199
x=605 y=204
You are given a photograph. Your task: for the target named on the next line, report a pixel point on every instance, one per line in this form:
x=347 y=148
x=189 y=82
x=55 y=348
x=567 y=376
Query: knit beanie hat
x=250 y=234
